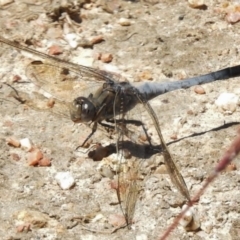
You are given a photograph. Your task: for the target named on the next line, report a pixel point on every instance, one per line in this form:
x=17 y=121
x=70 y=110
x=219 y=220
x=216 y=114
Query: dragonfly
x=113 y=103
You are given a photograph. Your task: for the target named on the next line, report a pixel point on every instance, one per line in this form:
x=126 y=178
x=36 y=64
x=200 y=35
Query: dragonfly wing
x=57 y=81
x=91 y=74
x=172 y=169
x=129 y=187
x=129 y=167
x=141 y=126
x=38 y=102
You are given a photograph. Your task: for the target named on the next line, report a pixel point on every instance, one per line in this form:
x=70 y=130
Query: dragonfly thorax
x=82 y=110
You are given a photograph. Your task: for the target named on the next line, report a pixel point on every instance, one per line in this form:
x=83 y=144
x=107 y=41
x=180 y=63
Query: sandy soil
x=148 y=40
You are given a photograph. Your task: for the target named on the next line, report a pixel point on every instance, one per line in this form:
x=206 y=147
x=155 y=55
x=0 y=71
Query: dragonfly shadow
x=144 y=151
x=224 y=126
x=136 y=150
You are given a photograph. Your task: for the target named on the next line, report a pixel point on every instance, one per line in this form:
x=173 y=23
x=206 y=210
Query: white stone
x=26 y=144
x=72 y=39
x=187 y=218
x=190 y=221
x=196 y=3
x=227 y=102
x=124 y=22
x=65 y=180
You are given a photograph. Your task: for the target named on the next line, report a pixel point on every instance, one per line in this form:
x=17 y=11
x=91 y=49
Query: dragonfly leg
x=94 y=129
x=127 y=132
x=107 y=126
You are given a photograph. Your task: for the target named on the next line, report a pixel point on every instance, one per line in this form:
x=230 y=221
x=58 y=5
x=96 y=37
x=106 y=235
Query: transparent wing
x=129 y=179
x=172 y=169
x=63 y=80
x=86 y=73
x=39 y=102
x=66 y=84
x=134 y=127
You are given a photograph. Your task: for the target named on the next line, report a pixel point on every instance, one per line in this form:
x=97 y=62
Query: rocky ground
x=142 y=41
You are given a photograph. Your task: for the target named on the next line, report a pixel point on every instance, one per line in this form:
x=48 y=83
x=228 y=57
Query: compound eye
x=82 y=110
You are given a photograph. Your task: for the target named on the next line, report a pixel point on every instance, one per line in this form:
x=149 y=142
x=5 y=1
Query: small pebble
x=197 y=3
x=190 y=220
x=44 y=162
x=34 y=157
x=106 y=57
x=65 y=180
x=233 y=17
x=26 y=144
x=72 y=39
x=227 y=102
x=199 y=90
x=124 y=22
x=187 y=218
x=55 y=50
x=12 y=141
x=97 y=39
x=116 y=220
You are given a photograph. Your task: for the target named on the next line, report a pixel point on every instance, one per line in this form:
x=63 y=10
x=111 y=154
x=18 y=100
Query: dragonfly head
x=82 y=110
